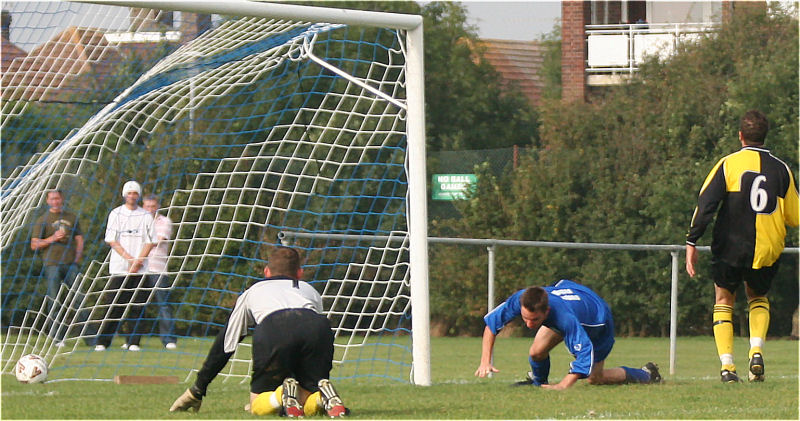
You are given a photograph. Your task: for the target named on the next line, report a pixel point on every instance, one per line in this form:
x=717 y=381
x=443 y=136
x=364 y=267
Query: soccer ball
x=31 y=368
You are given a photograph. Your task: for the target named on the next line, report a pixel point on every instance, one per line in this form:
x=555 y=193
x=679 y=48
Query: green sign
x=451 y=186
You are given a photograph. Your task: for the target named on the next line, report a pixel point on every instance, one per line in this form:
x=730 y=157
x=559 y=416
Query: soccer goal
x=247 y=120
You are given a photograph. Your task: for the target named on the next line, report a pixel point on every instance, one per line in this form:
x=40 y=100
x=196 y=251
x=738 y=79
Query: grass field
x=694 y=392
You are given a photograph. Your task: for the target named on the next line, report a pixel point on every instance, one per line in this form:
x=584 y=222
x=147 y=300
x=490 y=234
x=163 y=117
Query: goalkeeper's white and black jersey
x=264 y=298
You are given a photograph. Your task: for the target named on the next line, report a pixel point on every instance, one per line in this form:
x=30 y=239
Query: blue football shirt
x=577 y=313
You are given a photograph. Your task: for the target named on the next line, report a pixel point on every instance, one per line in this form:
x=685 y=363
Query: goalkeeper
x=569 y=312
x=292 y=344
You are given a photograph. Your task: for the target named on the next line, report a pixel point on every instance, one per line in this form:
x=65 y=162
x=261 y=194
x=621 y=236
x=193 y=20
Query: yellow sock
x=267 y=402
x=723 y=335
x=759 y=323
x=313 y=405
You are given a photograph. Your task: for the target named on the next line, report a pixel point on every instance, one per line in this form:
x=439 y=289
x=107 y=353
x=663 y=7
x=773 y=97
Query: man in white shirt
x=129 y=232
x=157 y=266
x=292 y=343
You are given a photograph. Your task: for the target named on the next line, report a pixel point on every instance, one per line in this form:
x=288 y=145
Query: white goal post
x=415 y=91
x=245 y=118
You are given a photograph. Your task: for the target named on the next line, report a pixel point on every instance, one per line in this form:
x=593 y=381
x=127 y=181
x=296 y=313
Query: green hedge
x=626 y=167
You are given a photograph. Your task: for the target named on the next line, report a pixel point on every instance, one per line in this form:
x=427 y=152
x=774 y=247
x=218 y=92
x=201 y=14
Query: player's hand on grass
x=565 y=383
x=187 y=401
x=485 y=369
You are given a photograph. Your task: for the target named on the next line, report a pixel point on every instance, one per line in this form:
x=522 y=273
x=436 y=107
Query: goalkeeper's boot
x=291 y=407
x=652 y=369
x=756 y=373
x=728 y=376
x=333 y=404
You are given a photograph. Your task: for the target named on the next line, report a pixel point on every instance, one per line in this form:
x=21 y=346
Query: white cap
x=131 y=186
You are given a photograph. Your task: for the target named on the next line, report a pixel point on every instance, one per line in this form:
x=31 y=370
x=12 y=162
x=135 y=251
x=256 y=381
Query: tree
x=627 y=167
x=551 y=63
x=466 y=105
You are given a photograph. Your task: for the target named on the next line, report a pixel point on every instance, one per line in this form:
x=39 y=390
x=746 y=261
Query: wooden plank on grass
x=146 y=379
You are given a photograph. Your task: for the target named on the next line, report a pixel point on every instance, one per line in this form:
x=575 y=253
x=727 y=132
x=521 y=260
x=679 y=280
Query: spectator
x=129 y=233
x=157 y=266
x=57 y=236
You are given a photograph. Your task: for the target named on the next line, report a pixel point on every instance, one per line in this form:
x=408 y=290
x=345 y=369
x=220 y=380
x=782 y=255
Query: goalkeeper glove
x=190 y=399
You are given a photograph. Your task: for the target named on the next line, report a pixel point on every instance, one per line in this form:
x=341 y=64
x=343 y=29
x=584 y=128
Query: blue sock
x=636 y=375
x=540 y=369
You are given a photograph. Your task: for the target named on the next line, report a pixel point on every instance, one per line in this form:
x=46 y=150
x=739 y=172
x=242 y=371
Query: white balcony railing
x=615 y=49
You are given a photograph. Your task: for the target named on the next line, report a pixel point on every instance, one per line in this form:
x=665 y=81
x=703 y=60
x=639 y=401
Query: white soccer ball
x=31 y=368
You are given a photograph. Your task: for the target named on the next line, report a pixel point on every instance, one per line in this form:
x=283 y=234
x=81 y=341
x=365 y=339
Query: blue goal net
x=243 y=128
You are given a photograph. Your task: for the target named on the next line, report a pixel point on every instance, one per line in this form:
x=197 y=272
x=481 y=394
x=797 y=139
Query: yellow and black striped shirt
x=759 y=198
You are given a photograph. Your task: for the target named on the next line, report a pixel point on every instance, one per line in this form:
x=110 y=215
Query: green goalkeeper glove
x=186 y=401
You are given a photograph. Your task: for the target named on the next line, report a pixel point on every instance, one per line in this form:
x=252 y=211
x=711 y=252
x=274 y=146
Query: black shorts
x=291 y=343
x=730 y=277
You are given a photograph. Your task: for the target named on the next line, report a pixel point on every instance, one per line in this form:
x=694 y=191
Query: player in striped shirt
x=756 y=195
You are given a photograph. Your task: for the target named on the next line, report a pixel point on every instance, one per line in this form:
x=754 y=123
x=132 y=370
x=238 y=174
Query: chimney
x=149 y=20
x=6 y=27
x=574 y=17
x=166 y=18
x=193 y=25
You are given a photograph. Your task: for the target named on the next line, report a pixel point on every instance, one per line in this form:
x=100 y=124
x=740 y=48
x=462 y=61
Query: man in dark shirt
x=58 y=238
x=758 y=197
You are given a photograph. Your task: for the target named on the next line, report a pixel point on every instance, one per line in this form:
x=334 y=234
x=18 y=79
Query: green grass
x=693 y=392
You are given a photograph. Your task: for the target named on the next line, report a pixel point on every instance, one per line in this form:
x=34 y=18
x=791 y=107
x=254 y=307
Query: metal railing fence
x=491 y=244
x=622 y=47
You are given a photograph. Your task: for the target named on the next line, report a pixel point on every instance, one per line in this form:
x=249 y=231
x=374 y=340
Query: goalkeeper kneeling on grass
x=569 y=312
x=292 y=346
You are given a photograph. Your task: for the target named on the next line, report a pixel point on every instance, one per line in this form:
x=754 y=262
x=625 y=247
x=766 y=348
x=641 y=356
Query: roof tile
x=518 y=61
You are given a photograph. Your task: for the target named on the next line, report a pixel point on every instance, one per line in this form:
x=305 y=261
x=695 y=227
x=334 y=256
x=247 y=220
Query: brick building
x=51 y=71
x=518 y=62
x=604 y=40
x=8 y=51
x=77 y=60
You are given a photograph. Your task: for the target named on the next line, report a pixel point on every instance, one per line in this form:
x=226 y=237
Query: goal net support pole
x=417 y=197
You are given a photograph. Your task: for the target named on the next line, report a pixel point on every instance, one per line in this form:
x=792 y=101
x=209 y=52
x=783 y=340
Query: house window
x=683 y=11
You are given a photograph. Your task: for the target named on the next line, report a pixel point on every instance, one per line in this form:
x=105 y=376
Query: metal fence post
x=490 y=293
x=673 y=313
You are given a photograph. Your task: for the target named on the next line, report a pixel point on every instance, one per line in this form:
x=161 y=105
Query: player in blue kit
x=569 y=312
